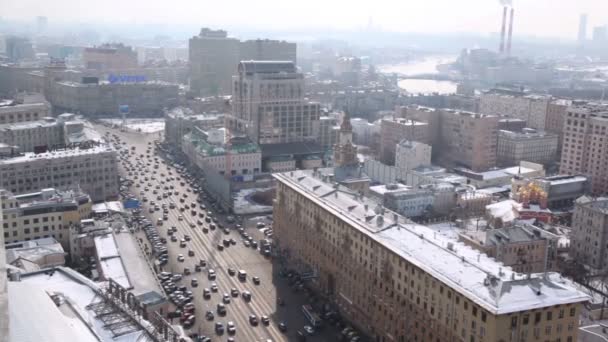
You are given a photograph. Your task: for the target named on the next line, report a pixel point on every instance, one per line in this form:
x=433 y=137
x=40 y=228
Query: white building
x=412 y=154
x=403 y=199
x=92 y=167
x=364 y=132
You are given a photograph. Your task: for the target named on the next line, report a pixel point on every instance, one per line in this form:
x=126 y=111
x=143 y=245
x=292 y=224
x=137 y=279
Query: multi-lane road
x=265 y=296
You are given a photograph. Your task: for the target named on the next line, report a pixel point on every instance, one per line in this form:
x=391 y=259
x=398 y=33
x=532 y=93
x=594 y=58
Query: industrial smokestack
x=510 y=32
x=502 y=31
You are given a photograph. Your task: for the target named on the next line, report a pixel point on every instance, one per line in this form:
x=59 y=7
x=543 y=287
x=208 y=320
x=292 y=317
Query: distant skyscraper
x=582 y=29
x=600 y=34
x=41 y=24
x=213 y=61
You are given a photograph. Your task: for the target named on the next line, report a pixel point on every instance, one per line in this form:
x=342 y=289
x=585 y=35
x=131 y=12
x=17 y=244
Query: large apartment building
x=531 y=108
x=528 y=145
x=268 y=104
x=468 y=139
x=399 y=281
x=92 y=168
x=585 y=143
x=393 y=131
x=48 y=213
x=267 y=50
x=590 y=231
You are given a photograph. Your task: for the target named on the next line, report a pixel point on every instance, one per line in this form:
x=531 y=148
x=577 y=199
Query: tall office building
x=582 y=29
x=268 y=104
x=585 y=142
x=399 y=281
x=213 y=60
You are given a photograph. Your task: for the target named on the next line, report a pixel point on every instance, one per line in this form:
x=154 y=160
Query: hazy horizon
x=431 y=16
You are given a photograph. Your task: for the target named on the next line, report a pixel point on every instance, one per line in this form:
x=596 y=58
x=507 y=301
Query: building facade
x=25 y=136
x=528 y=145
x=525 y=248
x=238 y=158
x=468 y=139
x=92 y=169
x=109 y=56
x=268 y=104
x=585 y=144
x=531 y=108
x=180 y=121
x=48 y=213
x=24 y=108
x=213 y=58
x=399 y=281
x=393 y=131
x=590 y=232
x=412 y=154
x=267 y=50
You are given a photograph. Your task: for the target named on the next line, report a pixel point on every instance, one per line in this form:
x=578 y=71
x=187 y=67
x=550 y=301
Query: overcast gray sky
x=556 y=18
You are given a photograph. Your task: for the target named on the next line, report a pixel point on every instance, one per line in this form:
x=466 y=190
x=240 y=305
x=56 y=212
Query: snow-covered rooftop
x=485 y=281
x=29 y=156
x=36 y=317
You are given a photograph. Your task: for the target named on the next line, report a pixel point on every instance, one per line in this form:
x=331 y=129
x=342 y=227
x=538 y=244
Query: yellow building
x=48 y=213
x=399 y=281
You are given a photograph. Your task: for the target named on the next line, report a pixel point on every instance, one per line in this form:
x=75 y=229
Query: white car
x=181 y=258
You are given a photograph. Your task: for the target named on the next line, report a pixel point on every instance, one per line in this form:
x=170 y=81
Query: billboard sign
x=123 y=109
x=126 y=78
x=131 y=204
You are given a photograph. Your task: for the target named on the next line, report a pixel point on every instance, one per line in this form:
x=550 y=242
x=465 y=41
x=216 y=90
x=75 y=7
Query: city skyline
x=468 y=16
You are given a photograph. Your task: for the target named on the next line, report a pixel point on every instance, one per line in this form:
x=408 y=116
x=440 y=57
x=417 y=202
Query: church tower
x=345 y=153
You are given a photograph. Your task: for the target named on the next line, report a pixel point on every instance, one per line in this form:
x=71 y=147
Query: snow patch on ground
x=243 y=205
x=139 y=125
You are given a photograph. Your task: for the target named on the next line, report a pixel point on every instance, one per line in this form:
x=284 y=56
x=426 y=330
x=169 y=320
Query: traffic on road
x=217 y=269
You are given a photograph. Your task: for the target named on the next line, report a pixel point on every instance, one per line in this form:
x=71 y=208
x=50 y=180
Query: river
x=427 y=65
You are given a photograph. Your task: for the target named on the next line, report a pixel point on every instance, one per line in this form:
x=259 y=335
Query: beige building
x=585 y=144
x=28 y=107
x=92 y=168
x=109 y=56
x=590 y=231
x=268 y=104
x=531 y=108
x=393 y=131
x=468 y=139
x=556 y=112
x=412 y=154
x=399 y=281
x=429 y=115
x=48 y=213
x=528 y=145
x=524 y=248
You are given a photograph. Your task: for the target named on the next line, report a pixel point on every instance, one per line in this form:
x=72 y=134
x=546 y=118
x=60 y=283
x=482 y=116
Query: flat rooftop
x=483 y=280
x=58 y=154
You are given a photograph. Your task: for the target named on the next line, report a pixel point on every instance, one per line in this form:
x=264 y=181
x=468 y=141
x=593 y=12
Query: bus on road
x=312 y=317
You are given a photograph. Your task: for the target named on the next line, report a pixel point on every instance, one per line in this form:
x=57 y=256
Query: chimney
x=503 y=29
x=510 y=32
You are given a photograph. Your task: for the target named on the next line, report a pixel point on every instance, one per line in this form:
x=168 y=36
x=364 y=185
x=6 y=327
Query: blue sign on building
x=126 y=78
x=123 y=109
